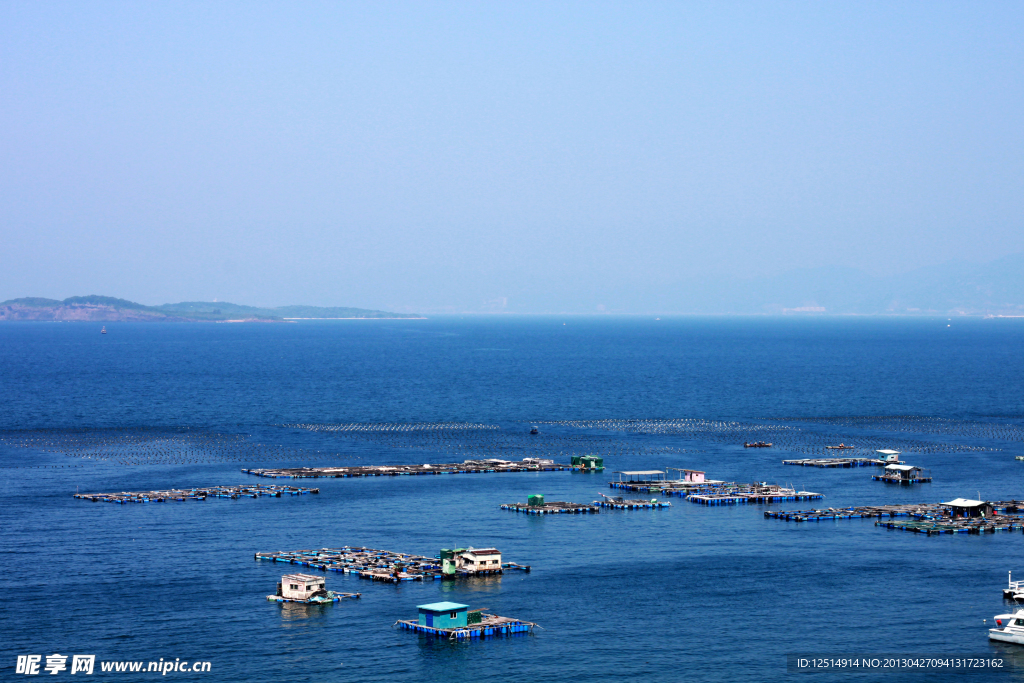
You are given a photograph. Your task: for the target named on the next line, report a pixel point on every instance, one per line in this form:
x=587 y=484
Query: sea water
x=691 y=592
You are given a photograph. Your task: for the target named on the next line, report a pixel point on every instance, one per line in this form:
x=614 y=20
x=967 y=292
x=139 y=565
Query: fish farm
x=712 y=492
x=233 y=492
x=755 y=495
x=486 y=626
x=957 y=516
x=967 y=526
x=620 y=503
x=373 y=564
x=330 y=596
x=466 y=467
x=840 y=462
x=553 y=508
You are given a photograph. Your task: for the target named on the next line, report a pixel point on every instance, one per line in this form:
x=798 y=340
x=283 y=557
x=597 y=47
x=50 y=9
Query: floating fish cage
x=974 y=526
x=840 y=462
x=466 y=467
x=489 y=626
x=929 y=513
x=753 y=497
x=234 y=492
x=378 y=565
x=318 y=600
x=905 y=481
x=553 y=508
x=620 y=503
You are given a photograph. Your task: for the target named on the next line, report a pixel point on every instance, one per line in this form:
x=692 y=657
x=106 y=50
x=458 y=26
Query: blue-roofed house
x=443 y=615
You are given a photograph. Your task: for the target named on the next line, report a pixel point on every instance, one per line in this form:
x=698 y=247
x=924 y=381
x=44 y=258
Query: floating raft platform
x=840 y=462
x=376 y=565
x=672 y=487
x=198 y=493
x=318 y=600
x=632 y=504
x=466 y=467
x=553 y=508
x=984 y=525
x=752 y=497
x=489 y=625
x=901 y=480
x=920 y=511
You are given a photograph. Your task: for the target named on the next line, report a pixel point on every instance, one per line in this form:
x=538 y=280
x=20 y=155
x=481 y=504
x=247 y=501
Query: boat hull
x=1006 y=636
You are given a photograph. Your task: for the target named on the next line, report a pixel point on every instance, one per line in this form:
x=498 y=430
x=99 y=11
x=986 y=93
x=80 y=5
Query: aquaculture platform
x=988 y=525
x=553 y=508
x=633 y=504
x=620 y=503
x=927 y=512
x=255 y=491
x=672 y=487
x=901 y=480
x=377 y=565
x=319 y=599
x=840 y=462
x=489 y=625
x=751 y=497
x=466 y=467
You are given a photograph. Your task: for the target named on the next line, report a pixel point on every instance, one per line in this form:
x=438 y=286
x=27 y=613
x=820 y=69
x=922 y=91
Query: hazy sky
x=423 y=156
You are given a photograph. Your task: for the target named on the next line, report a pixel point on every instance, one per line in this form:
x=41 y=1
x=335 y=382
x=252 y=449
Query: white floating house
x=300 y=586
x=965 y=507
x=308 y=589
x=481 y=560
x=887 y=455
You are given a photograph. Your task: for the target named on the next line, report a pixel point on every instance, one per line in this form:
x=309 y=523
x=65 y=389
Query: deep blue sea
x=688 y=593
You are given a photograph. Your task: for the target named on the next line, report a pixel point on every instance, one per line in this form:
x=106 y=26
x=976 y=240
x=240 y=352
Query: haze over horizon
x=528 y=158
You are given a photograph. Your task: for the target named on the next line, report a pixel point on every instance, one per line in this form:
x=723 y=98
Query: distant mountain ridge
x=110 y=309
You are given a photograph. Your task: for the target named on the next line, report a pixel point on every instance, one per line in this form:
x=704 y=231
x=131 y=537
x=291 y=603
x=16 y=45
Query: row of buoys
x=1000 y=431
x=141 y=446
x=788 y=437
x=390 y=426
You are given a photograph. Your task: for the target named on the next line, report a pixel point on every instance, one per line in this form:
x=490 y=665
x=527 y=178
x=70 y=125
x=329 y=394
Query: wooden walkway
x=197 y=493
x=375 y=565
x=553 y=508
x=467 y=467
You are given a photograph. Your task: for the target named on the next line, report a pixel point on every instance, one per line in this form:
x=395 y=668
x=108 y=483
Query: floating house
x=443 y=615
x=902 y=474
x=456 y=621
x=587 y=463
x=482 y=561
x=642 y=477
x=306 y=588
x=965 y=507
x=887 y=455
x=470 y=561
x=692 y=476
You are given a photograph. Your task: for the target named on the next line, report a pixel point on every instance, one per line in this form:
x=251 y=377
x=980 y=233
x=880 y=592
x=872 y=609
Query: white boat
x=1010 y=628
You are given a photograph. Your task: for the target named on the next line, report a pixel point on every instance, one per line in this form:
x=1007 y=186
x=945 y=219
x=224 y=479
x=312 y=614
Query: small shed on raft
x=640 y=476
x=692 y=476
x=965 y=507
x=300 y=586
x=443 y=615
x=907 y=472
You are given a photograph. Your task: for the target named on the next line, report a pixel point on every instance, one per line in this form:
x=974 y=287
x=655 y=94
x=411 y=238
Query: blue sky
x=439 y=156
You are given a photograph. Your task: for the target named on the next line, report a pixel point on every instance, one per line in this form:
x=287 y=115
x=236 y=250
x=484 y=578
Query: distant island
x=109 y=309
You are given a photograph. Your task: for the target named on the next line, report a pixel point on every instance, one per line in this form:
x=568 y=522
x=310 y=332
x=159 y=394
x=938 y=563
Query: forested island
x=110 y=309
